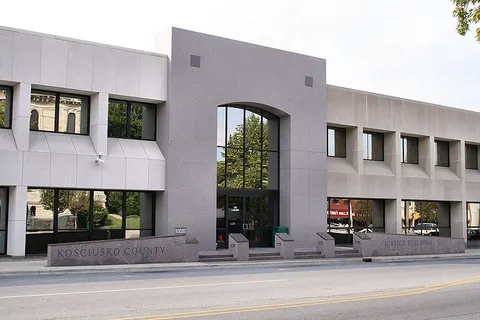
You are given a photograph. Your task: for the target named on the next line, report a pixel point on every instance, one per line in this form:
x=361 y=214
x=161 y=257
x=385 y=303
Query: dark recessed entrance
x=252 y=215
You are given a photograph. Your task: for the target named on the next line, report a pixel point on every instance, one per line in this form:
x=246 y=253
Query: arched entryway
x=247 y=174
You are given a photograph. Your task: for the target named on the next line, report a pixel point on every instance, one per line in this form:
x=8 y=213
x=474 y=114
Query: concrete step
x=264 y=254
x=217 y=259
x=348 y=255
x=309 y=256
x=345 y=251
x=260 y=258
x=305 y=253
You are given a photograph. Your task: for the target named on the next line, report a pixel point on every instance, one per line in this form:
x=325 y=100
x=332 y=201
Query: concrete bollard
x=284 y=245
x=238 y=246
x=326 y=244
x=191 y=251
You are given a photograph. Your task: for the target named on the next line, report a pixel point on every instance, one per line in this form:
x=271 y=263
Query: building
x=217 y=136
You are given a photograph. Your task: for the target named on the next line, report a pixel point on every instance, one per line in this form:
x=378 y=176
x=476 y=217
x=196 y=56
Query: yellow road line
x=403 y=293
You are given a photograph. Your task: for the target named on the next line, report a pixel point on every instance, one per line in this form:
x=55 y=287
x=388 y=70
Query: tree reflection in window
x=247 y=142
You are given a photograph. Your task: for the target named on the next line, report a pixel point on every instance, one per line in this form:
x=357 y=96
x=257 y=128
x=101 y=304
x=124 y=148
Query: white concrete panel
x=318 y=161
x=98 y=135
x=113 y=173
x=16 y=237
x=152 y=150
x=83 y=145
x=104 y=70
x=89 y=174
x=27 y=57
x=114 y=148
x=80 y=66
x=340 y=165
x=128 y=73
x=137 y=174
x=11 y=164
x=153 y=76
x=300 y=159
x=7 y=142
x=300 y=181
x=20 y=132
x=472 y=175
x=38 y=142
x=6 y=54
x=156 y=175
x=132 y=148
x=376 y=168
x=318 y=180
x=63 y=168
x=445 y=173
x=60 y=143
x=53 y=68
x=36 y=169
x=413 y=170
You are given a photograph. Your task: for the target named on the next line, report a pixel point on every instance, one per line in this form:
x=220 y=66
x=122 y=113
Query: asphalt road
x=427 y=290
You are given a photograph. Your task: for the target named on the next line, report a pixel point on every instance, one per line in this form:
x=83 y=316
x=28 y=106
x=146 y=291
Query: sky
x=406 y=48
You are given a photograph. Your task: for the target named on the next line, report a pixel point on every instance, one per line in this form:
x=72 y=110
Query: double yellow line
x=311 y=303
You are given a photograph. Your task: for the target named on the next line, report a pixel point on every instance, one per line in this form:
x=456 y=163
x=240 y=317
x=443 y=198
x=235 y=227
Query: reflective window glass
x=221 y=126
x=5 y=107
x=235 y=130
x=117 y=119
x=42 y=107
x=253 y=133
x=73 y=114
x=221 y=167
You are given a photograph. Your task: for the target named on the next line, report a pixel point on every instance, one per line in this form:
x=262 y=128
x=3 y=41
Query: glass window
x=5 y=107
x=221 y=126
x=473 y=221
x=336 y=142
x=426 y=218
x=442 y=151
x=250 y=157
x=235 y=129
x=471 y=156
x=373 y=146
x=59 y=112
x=221 y=167
x=42 y=114
x=409 y=150
x=130 y=120
x=40 y=208
x=3 y=219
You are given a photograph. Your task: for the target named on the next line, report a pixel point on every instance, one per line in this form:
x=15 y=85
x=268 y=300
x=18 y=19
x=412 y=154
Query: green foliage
x=429 y=211
x=252 y=156
x=467 y=12
x=117 y=120
x=2 y=114
x=115 y=202
x=365 y=212
x=100 y=216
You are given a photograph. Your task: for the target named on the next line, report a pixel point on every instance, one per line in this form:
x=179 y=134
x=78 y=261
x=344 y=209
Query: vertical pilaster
x=393 y=216
x=354 y=145
x=99 y=122
x=426 y=155
x=458 y=219
x=21 y=115
x=17 y=224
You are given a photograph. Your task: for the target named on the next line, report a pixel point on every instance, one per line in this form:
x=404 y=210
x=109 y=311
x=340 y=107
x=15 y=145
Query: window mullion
x=57 y=112
x=129 y=111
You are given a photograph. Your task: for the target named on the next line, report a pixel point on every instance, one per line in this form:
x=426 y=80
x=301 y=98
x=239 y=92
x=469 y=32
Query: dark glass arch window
x=71 y=122
x=247 y=148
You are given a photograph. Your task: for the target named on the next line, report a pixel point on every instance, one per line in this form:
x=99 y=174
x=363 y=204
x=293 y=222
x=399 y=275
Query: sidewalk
x=33 y=266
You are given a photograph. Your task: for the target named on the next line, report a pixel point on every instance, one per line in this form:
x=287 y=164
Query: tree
x=467 y=13
x=2 y=114
x=364 y=212
x=251 y=155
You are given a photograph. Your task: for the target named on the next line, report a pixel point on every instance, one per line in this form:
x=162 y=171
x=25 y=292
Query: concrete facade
x=187 y=79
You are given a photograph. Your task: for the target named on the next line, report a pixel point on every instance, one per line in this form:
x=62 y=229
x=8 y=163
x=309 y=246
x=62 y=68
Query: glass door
x=235 y=211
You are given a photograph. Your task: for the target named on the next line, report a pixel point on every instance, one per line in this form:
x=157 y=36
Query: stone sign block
x=284 y=245
x=239 y=246
x=157 y=249
x=325 y=244
x=382 y=244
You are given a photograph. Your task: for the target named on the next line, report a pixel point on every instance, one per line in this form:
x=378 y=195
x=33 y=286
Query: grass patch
x=133 y=222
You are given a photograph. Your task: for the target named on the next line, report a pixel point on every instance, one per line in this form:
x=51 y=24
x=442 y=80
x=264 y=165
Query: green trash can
x=278 y=229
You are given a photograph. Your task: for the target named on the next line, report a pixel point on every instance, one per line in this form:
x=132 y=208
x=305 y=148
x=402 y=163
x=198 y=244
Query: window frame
x=444 y=142
x=7 y=203
x=9 y=90
x=470 y=145
x=383 y=145
x=244 y=149
x=58 y=94
x=128 y=118
x=345 y=144
x=403 y=158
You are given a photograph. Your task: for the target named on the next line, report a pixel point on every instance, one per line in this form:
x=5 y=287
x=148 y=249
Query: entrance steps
x=259 y=254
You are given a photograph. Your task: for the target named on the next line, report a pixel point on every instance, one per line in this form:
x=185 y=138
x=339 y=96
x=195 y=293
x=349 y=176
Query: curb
x=231 y=265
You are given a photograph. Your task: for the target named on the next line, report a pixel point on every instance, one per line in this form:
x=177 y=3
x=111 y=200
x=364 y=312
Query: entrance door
x=244 y=215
